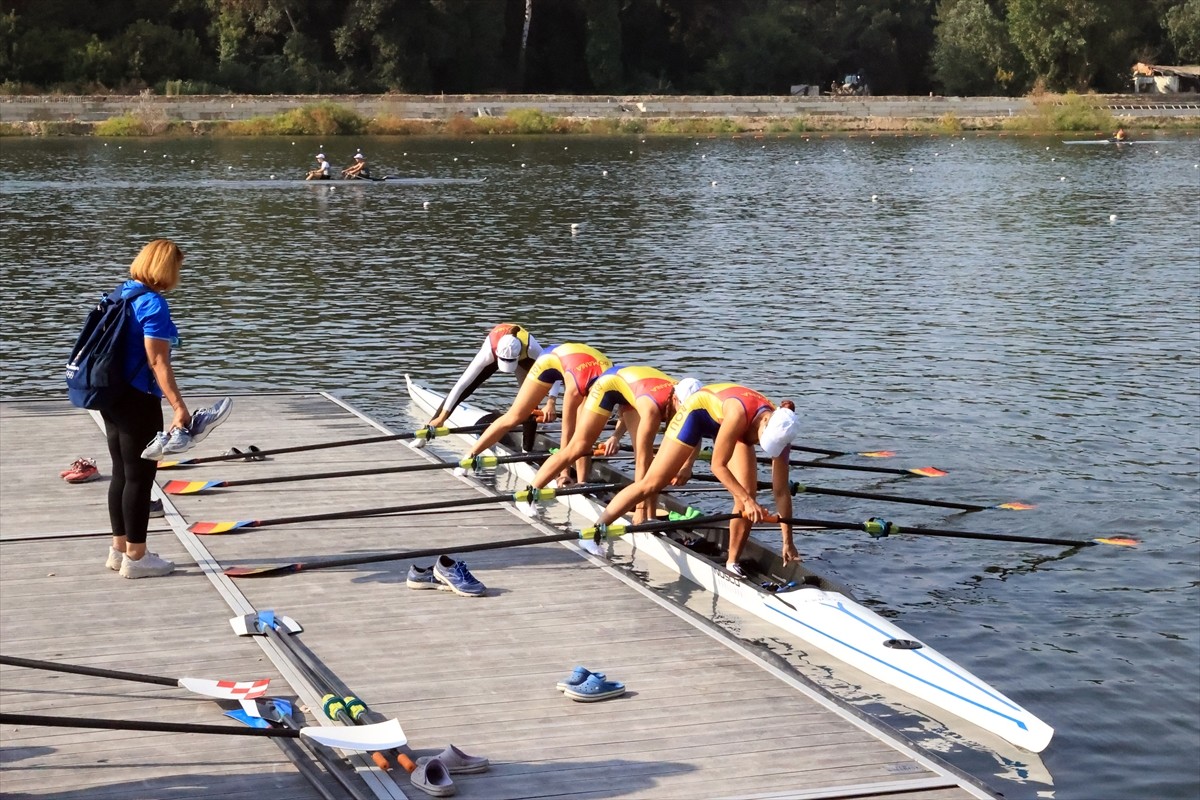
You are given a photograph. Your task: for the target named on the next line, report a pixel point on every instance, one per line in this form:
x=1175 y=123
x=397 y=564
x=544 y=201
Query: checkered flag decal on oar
x=226 y=690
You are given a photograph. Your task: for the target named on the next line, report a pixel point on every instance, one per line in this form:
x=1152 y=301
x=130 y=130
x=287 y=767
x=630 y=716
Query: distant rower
x=358 y=169
x=323 y=172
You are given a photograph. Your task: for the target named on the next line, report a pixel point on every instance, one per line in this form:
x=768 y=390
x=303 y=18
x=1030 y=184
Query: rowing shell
x=820 y=612
x=1119 y=141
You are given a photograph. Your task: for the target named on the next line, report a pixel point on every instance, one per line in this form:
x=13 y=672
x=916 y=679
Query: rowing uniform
x=701 y=415
x=578 y=363
x=624 y=385
x=483 y=366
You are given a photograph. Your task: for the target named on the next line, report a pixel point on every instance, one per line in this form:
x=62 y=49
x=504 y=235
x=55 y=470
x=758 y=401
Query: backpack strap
x=137 y=292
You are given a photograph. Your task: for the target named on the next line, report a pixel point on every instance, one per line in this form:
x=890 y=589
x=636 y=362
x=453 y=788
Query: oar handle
x=52 y=666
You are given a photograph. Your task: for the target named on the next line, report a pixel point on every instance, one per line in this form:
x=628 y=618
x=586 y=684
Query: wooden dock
x=704 y=717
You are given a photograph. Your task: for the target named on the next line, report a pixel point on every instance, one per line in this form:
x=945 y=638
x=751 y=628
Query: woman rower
x=508 y=348
x=358 y=169
x=323 y=171
x=736 y=418
x=576 y=365
x=644 y=398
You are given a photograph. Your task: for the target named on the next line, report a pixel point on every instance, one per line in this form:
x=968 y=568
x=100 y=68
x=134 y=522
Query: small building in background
x=1158 y=79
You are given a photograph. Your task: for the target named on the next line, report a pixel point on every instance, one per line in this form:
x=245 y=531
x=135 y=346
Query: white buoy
x=193 y=161
x=229 y=168
x=145 y=151
x=574 y=228
x=1112 y=217
x=456 y=158
x=522 y=166
x=797 y=163
x=874 y=198
x=604 y=173
x=630 y=152
x=165 y=155
x=703 y=157
x=272 y=177
x=425 y=204
x=714 y=183
x=1054 y=159
x=910 y=169
x=564 y=147
x=1062 y=177
x=1047 y=147
x=405 y=153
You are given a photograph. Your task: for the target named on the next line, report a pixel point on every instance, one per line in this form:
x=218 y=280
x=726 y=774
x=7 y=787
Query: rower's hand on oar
x=682 y=477
x=611 y=446
x=549 y=412
x=754 y=512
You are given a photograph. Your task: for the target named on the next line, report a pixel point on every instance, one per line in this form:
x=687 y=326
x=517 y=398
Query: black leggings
x=130 y=424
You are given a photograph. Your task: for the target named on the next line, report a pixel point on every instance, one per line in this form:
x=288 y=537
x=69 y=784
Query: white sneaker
x=151 y=565
x=204 y=420
x=178 y=440
x=115 y=557
x=154 y=450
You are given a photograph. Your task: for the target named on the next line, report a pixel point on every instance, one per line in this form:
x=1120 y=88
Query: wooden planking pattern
x=699 y=720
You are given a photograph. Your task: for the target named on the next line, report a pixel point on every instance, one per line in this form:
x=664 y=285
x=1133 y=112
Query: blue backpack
x=96 y=371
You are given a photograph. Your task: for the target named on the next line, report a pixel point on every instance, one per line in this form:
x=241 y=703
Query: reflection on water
x=967 y=302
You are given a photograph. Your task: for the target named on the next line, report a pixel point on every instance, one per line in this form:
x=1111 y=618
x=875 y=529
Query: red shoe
x=82 y=471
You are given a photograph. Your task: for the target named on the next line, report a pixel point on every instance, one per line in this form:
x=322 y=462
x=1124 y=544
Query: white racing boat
x=816 y=610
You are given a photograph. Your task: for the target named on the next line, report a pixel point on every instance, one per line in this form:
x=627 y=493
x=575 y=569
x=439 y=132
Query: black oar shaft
x=354 y=473
x=898 y=530
x=142 y=725
x=850 y=467
x=51 y=666
x=800 y=488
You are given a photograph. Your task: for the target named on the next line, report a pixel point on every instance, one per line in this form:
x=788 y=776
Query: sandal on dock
x=251 y=453
x=595 y=689
x=457 y=762
x=577 y=677
x=432 y=778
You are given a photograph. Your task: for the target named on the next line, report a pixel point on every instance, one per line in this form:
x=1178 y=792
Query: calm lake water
x=968 y=302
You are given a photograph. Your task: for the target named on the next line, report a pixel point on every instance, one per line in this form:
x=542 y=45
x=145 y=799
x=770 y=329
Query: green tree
x=972 y=54
x=1183 y=29
x=1075 y=44
x=603 y=52
x=771 y=48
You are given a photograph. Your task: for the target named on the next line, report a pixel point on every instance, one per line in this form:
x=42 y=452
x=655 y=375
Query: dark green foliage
x=588 y=46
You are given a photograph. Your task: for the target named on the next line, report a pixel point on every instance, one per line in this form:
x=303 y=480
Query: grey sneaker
x=156 y=509
x=204 y=420
x=115 y=557
x=151 y=565
x=457 y=577
x=154 y=450
x=178 y=440
x=422 y=578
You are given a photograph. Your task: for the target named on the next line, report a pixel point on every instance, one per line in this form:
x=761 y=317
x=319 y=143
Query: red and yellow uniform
x=582 y=364
x=510 y=329
x=624 y=385
x=701 y=414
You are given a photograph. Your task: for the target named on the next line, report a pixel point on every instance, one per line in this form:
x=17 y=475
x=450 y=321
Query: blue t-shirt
x=151 y=318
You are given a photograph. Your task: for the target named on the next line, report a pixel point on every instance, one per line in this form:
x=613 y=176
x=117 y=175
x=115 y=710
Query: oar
x=879 y=528
x=307 y=769
x=221 y=690
x=836 y=453
x=924 y=472
x=799 y=488
x=421 y=433
x=279 y=711
x=693 y=519
x=525 y=495
x=401 y=555
x=379 y=736
x=478 y=463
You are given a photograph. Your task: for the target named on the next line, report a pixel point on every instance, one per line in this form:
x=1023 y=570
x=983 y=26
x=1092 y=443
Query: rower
x=508 y=348
x=1120 y=135
x=736 y=419
x=576 y=365
x=323 y=172
x=644 y=398
x=358 y=169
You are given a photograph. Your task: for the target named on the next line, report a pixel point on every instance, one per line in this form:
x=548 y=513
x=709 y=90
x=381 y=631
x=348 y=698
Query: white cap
x=508 y=353
x=686 y=388
x=360 y=155
x=321 y=156
x=781 y=428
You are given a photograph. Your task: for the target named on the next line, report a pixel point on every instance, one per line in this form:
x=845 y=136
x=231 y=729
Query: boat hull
x=819 y=612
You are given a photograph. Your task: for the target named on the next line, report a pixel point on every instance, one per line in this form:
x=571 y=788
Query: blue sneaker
x=178 y=441
x=455 y=575
x=422 y=578
x=204 y=420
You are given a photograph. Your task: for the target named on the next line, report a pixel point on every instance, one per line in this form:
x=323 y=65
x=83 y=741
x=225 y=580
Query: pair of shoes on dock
x=585 y=686
x=151 y=565
x=432 y=774
x=448 y=575
x=251 y=453
x=178 y=440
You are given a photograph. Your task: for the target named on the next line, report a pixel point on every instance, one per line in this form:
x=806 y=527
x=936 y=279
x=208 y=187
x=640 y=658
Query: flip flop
x=578 y=676
x=250 y=454
x=595 y=689
x=431 y=777
x=457 y=762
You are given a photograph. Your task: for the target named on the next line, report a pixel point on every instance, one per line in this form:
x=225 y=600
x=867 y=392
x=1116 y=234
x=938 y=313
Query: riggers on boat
x=817 y=611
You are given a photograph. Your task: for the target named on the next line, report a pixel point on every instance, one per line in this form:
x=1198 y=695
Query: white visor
x=508 y=353
x=686 y=388
x=321 y=156
x=781 y=428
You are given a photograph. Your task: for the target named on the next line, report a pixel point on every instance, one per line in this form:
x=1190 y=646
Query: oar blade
x=173 y=464
x=929 y=472
x=1016 y=506
x=1119 y=541
x=379 y=736
x=190 y=487
x=878 y=454
x=262 y=572
x=207 y=528
x=226 y=690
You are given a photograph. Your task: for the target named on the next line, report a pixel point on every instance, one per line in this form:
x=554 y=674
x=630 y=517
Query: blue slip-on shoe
x=457 y=577
x=204 y=420
x=577 y=677
x=595 y=689
x=423 y=578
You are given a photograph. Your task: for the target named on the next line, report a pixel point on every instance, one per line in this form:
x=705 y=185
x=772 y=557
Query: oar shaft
x=354 y=473
x=800 y=488
x=850 y=467
x=142 y=725
x=52 y=666
x=897 y=530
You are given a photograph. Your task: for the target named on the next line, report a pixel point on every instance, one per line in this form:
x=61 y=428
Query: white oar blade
x=380 y=736
x=226 y=690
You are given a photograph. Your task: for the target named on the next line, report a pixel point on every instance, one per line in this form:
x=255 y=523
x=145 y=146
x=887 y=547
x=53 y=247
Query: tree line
x=706 y=47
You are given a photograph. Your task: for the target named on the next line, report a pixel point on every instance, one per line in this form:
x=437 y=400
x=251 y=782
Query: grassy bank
x=1071 y=113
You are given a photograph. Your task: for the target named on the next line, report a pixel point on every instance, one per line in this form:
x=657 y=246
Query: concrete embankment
x=848 y=113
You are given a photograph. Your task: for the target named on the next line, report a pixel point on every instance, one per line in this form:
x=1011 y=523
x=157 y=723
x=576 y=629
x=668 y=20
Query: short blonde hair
x=158 y=265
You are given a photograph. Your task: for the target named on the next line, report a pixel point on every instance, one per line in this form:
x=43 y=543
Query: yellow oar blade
x=1119 y=541
x=1016 y=506
x=878 y=454
x=928 y=472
